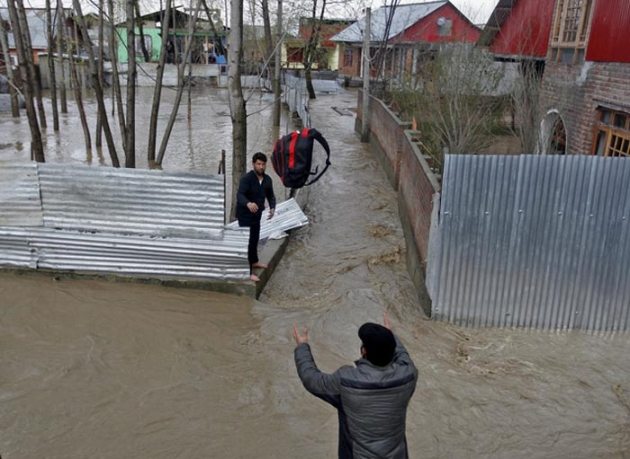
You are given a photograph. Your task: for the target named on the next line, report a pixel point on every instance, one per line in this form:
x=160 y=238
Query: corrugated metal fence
x=532 y=241
x=125 y=221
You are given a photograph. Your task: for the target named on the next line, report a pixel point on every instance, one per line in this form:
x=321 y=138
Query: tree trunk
x=157 y=91
x=311 y=47
x=116 y=94
x=15 y=107
x=60 y=53
x=51 y=67
x=238 y=110
x=101 y=72
x=181 y=67
x=98 y=88
x=143 y=46
x=277 y=75
x=34 y=74
x=130 y=146
x=37 y=148
x=77 y=92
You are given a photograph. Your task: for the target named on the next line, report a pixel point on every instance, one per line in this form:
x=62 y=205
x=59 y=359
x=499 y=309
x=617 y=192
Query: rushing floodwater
x=98 y=369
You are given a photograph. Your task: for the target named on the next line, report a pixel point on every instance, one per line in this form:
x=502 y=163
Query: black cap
x=379 y=343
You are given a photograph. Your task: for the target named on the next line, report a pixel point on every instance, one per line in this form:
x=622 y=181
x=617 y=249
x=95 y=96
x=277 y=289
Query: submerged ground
x=99 y=369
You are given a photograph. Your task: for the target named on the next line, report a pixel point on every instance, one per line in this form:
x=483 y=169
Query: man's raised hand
x=386 y=323
x=300 y=339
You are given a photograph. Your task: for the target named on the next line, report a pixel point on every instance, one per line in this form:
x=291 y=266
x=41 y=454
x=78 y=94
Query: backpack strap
x=320 y=138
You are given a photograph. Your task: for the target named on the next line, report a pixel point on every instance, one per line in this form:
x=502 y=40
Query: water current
x=116 y=370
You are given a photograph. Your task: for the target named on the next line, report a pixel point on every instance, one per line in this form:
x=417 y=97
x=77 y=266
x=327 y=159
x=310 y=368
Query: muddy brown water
x=98 y=369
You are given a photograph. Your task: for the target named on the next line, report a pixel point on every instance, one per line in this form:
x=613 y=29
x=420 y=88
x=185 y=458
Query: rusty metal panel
x=532 y=241
x=20 y=203
x=131 y=201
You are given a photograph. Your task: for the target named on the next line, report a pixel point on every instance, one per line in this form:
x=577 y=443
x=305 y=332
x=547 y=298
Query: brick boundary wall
x=410 y=175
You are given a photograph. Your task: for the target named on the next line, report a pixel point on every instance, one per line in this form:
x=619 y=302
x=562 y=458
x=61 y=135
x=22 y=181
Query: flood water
x=99 y=369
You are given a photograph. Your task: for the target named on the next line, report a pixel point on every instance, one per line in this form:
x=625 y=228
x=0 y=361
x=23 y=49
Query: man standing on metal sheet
x=371 y=398
x=253 y=188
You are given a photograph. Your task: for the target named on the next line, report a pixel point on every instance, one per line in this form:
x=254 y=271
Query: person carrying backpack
x=371 y=398
x=253 y=188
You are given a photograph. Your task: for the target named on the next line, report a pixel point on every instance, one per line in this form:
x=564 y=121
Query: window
x=347 y=57
x=445 y=27
x=295 y=55
x=613 y=133
x=570 y=30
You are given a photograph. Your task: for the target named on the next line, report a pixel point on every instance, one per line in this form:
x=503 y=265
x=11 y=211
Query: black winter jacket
x=371 y=402
x=250 y=190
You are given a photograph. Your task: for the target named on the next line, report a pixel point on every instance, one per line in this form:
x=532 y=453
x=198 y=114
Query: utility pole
x=365 y=128
x=277 y=87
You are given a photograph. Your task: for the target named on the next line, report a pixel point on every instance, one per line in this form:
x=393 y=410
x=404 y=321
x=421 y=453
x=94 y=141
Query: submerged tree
x=238 y=109
x=24 y=52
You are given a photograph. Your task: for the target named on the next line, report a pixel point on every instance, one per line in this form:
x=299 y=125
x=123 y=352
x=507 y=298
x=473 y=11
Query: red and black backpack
x=292 y=157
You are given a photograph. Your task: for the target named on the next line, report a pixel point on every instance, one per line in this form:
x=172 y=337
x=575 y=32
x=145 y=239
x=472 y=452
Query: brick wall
x=577 y=90
x=409 y=173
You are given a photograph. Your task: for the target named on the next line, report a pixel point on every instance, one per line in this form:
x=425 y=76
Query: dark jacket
x=371 y=402
x=250 y=190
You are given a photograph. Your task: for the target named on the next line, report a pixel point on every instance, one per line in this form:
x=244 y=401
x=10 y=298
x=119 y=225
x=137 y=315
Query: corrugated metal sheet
x=224 y=258
x=20 y=204
x=532 y=241
x=121 y=221
x=131 y=201
x=404 y=17
x=288 y=215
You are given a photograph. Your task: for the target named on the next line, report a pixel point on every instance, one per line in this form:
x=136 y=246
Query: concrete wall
x=392 y=142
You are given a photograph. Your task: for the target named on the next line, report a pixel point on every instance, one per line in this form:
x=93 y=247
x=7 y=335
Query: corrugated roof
x=404 y=17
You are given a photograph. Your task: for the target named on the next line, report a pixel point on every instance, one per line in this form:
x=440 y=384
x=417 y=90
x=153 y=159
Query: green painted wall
x=156 y=44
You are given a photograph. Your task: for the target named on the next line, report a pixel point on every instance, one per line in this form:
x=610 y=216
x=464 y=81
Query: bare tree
x=181 y=68
x=51 y=67
x=238 y=109
x=312 y=47
x=37 y=148
x=34 y=74
x=101 y=70
x=60 y=53
x=76 y=86
x=97 y=85
x=456 y=101
x=527 y=111
x=116 y=93
x=130 y=127
x=15 y=108
x=157 y=90
x=143 y=46
x=277 y=70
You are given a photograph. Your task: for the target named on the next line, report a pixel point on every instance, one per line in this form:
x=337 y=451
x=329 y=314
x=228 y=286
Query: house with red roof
x=404 y=32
